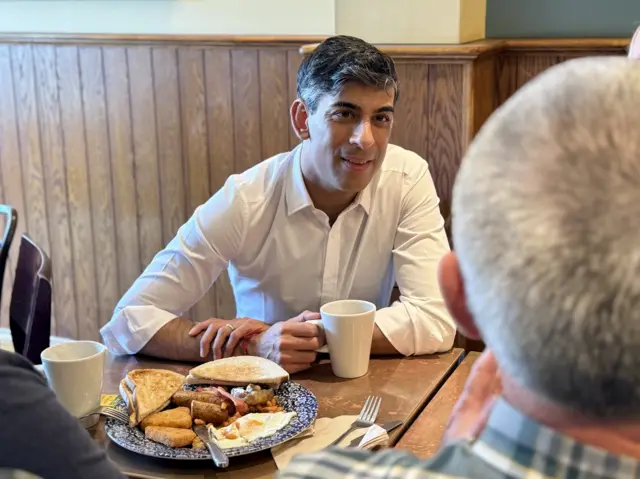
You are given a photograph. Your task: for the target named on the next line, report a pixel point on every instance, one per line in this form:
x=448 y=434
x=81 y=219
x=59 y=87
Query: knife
x=387 y=426
x=219 y=457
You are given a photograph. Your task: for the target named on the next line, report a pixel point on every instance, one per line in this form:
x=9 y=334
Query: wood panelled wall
x=108 y=144
x=105 y=150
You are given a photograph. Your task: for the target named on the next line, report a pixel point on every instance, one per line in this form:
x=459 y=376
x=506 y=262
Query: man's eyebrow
x=353 y=106
x=346 y=104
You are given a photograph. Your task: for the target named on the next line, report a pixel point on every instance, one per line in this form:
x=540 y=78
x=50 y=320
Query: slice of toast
x=127 y=397
x=239 y=371
x=152 y=390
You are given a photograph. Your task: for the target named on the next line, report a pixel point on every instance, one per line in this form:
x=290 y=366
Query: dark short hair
x=341 y=59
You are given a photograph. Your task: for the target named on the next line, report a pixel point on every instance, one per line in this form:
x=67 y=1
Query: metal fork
x=109 y=412
x=367 y=417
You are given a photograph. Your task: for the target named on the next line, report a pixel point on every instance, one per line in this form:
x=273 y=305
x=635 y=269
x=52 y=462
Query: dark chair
x=30 y=309
x=11 y=222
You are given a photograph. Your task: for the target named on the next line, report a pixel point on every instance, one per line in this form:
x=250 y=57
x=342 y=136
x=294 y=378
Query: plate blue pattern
x=291 y=396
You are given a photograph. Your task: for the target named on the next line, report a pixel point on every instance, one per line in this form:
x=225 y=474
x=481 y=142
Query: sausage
x=241 y=406
x=256 y=398
x=184 y=398
x=210 y=413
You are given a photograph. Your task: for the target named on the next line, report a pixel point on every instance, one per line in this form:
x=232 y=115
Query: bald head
x=547 y=230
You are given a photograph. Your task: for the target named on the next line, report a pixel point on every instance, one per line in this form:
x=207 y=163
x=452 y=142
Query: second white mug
x=74 y=371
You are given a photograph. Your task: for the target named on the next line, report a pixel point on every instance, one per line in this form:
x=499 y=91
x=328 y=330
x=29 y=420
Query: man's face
x=348 y=136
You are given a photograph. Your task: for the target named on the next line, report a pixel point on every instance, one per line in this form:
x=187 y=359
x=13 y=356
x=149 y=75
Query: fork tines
x=114 y=413
x=370 y=409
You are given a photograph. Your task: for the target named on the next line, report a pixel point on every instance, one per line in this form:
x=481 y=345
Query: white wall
x=222 y=17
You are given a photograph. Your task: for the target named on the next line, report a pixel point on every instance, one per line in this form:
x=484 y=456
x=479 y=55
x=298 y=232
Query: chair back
x=30 y=308
x=10 y=224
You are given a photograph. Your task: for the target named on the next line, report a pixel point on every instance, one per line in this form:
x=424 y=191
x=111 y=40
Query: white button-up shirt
x=284 y=257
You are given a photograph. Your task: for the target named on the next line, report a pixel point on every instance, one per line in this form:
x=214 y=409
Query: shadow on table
x=135 y=465
x=321 y=372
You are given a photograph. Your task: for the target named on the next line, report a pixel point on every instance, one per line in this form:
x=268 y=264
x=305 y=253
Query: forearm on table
x=172 y=341
x=381 y=346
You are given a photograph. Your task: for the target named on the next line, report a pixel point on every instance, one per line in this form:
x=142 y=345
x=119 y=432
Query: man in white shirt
x=343 y=215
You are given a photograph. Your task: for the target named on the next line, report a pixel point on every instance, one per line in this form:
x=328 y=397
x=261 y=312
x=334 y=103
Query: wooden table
x=424 y=435
x=405 y=385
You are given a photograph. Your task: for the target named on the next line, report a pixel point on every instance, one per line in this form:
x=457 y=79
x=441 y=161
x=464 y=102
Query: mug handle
x=318 y=322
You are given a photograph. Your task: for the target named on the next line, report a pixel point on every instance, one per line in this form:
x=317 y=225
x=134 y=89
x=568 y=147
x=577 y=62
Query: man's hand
x=470 y=414
x=291 y=343
x=224 y=334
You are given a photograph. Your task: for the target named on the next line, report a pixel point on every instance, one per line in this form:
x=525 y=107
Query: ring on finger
x=230 y=326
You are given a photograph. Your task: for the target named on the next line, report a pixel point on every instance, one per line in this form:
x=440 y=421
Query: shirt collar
x=297 y=196
x=526 y=443
x=365 y=196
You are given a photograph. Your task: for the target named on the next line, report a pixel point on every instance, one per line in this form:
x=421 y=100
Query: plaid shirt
x=511 y=446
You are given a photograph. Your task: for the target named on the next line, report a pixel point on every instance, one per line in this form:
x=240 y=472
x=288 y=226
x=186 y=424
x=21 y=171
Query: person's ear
x=634 y=47
x=452 y=287
x=300 y=119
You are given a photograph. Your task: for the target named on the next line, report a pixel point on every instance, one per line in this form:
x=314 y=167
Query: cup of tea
x=74 y=371
x=348 y=327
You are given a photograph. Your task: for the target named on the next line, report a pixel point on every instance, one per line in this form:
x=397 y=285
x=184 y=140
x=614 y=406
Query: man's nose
x=363 y=135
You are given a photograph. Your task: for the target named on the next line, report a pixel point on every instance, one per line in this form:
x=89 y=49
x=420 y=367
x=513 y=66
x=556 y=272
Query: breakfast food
x=127 y=397
x=184 y=398
x=179 y=417
x=198 y=444
x=253 y=395
x=147 y=391
x=249 y=428
x=209 y=413
x=239 y=405
x=238 y=371
x=235 y=399
x=170 y=436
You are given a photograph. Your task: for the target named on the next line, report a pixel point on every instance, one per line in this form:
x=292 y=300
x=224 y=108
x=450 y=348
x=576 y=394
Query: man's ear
x=300 y=119
x=452 y=287
x=634 y=47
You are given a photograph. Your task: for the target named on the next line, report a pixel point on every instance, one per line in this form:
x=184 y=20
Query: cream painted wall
x=412 y=21
x=400 y=21
x=222 y=17
x=407 y=21
x=473 y=14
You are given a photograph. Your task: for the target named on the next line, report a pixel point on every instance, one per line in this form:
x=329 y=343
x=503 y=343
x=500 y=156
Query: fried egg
x=250 y=428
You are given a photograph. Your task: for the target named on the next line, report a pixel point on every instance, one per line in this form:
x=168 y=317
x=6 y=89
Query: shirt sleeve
x=181 y=274
x=419 y=322
x=38 y=435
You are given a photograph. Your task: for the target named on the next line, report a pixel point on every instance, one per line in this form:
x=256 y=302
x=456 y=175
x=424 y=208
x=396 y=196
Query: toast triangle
x=127 y=397
x=152 y=390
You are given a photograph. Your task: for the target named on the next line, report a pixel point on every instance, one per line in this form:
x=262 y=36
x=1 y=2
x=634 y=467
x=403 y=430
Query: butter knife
x=219 y=457
x=387 y=426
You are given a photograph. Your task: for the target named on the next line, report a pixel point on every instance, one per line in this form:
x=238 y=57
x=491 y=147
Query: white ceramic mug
x=75 y=372
x=348 y=328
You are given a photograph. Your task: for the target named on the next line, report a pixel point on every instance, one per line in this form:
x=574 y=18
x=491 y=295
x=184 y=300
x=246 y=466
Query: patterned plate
x=291 y=396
